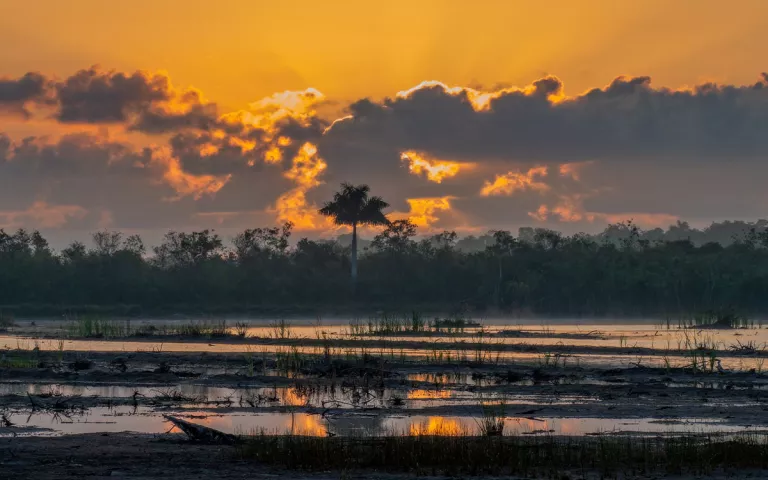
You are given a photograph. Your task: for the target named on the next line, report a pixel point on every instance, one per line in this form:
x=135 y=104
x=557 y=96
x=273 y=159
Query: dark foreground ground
x=125 y=455
x=134 y=456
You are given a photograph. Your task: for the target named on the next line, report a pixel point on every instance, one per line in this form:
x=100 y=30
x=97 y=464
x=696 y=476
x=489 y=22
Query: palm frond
x=351 y=205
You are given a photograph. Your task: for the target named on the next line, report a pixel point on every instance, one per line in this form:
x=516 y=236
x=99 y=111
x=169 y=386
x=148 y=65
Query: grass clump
x=90 y=326
x=413 y=323
x=714 y=319
x=493 y=420
x=18 y=361
x=202 y=329
x=390 y=324
x=6 y=321
x=281 y=330
x=511 y=455
x=452 y=325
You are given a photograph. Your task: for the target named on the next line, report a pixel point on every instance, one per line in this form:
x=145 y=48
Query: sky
x=150 y=116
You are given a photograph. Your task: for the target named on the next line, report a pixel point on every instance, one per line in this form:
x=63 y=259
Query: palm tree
x=352 y=206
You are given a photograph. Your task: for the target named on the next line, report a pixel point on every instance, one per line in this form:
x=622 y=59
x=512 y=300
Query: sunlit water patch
x=102 y=420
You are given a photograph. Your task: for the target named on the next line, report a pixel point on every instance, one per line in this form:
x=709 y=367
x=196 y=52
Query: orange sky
x=242 y=50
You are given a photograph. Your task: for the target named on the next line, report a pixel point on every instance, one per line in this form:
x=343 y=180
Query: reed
x=590 y=457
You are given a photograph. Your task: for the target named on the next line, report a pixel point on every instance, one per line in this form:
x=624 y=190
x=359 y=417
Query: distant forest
x=622 y=271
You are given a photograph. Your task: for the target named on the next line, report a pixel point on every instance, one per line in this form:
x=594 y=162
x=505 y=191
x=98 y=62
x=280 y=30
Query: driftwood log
x=200 y=433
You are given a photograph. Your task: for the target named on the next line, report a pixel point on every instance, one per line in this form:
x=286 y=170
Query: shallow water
x=615 y=333
x=142 y=420
x=325 y=397
x=203 y=403
x=431 y=355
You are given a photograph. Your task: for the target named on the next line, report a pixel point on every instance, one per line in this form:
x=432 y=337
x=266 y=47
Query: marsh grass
x=389 y=323
x=201 y=329
x=493 y=419
x=513 y=455
x=250 y=361
x=701 y=349
x=726 y=319
x=453 y=325
x=290 y=361
x=281 y=330
x=241 y=329
x=6 y=321
x=91 y=326
x=18 y=361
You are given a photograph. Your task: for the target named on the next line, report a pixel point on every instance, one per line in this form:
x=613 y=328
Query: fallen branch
x=199 y=433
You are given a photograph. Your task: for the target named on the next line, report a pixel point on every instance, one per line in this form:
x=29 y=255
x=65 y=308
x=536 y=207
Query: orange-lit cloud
x=424 y=212
x=41 y=215
x=267 y=112
x=292 y=206
x=570 y=208
x=437 y=131
x=512 y=182
x=182 y=182
x=573 y=169
x=434 y=170
x=551 y=87
x=267 y=117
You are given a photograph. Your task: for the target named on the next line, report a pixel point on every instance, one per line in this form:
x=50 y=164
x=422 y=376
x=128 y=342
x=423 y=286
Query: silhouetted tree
x=624 y=271
x=352 y=206
x=397 y=237
x=273 y=240
x=184 y=249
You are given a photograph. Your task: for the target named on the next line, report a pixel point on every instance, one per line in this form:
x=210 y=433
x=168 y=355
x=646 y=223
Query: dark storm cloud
x=15 y=94
x=229 y=167
x=626 y=119
x=93 y=96
x=71 y=156
x=143 y=101
x=85 y=181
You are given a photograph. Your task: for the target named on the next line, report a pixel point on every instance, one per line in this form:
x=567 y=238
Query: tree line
x=539 y=272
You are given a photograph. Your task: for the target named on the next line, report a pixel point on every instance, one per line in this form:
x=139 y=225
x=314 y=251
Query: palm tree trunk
x=354 y=254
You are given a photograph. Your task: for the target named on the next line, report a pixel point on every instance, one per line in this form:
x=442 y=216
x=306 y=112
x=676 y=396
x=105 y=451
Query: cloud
x=511 y=182
x=182 y=182
x=424 y=212
x=443 y=156
x=435 y=170
x=95 y=96
x=292 y=206
x=41 y=215
x=548 y=87
x=627 y=119
x=570 y=209
x=573 y=169
x=16 y=94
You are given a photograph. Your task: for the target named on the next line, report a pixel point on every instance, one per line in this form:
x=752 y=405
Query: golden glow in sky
x=243 y=50
x=461 y=115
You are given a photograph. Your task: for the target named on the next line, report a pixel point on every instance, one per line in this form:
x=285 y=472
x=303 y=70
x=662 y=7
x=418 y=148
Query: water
x=323 y=396
x=433 y=354
x=541 y=335
x=142 y=420
x=210 y=404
